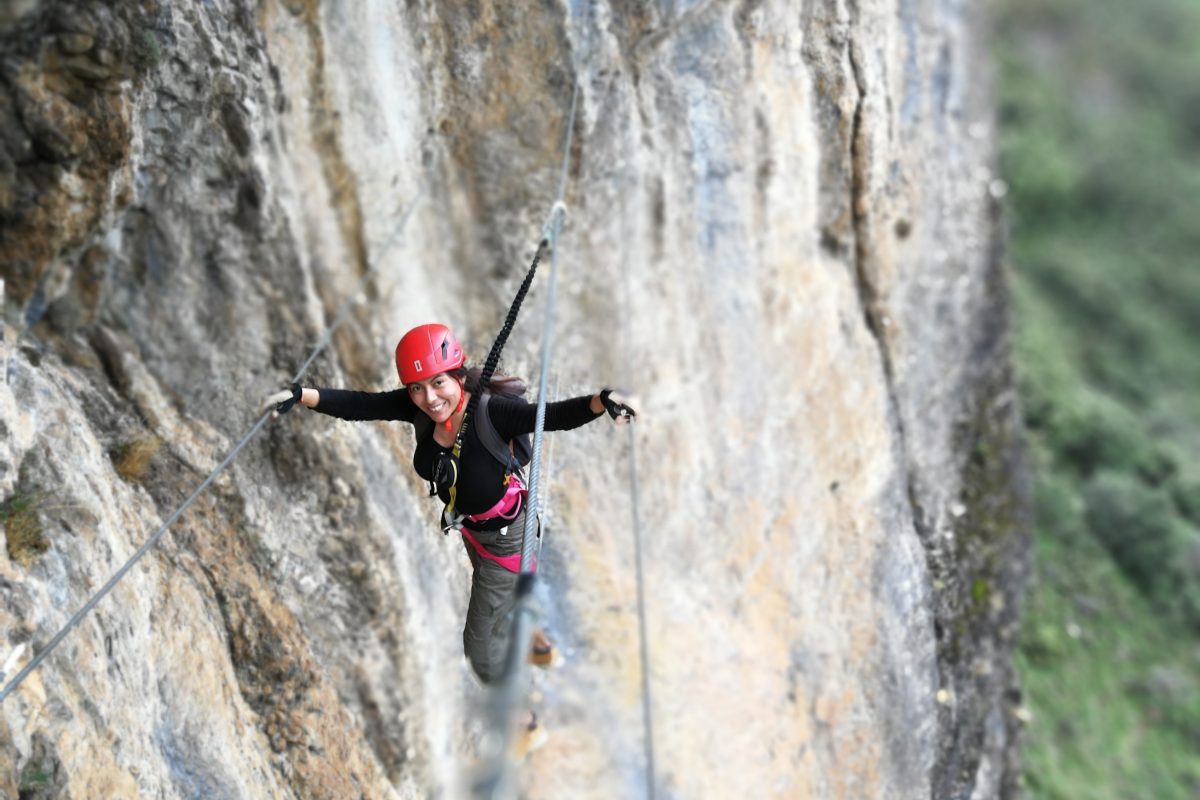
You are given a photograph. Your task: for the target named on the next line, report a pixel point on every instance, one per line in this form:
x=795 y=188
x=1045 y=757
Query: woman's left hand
x=282 y=401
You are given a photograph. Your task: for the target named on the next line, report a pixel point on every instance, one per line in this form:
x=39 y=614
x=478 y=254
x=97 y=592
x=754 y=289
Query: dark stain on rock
x=237 y=126
x=41 y=776
x=62 y=115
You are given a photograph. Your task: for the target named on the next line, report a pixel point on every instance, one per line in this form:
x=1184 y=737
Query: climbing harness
x=513 y=455
x=512 y=563
x=508 y=506
x=262 y=420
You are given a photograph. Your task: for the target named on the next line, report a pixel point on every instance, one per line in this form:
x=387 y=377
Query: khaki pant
x=489 y=613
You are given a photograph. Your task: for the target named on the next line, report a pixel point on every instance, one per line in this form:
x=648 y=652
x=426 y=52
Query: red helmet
x=427 y=350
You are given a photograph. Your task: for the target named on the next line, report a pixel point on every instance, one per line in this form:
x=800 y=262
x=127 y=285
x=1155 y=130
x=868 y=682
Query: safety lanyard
x=449 y=512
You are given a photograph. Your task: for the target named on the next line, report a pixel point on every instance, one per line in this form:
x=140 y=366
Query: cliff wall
x=783 y=235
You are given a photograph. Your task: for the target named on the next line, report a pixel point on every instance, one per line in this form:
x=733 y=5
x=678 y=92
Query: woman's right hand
x=283 y=400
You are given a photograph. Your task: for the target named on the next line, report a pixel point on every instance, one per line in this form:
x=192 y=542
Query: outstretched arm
x=512 y=417
x=345 y=404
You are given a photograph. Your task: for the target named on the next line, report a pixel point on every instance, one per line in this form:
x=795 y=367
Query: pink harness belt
x=511 y=563
x=507 y=508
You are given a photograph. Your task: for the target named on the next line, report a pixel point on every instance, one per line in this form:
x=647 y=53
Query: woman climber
x=483 y=490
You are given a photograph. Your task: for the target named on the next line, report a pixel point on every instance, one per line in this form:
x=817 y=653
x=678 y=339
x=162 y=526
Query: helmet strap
x=462 y=399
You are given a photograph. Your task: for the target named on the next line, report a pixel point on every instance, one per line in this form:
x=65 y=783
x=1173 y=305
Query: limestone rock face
x=783 y=236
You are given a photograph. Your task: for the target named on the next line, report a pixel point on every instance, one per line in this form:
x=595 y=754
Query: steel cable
x=624 y=306
x=258 y=425
x=496 y=778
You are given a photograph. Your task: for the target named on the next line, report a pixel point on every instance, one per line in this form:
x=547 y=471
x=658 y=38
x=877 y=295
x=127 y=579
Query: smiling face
x=438 y=396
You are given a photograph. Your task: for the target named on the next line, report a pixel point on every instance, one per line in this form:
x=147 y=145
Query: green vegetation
x=1100 y=144
x=132 y=458
x=33 y=778
x=147 y=52
x=22 y=526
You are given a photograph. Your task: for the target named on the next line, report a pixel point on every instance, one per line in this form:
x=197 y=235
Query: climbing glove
x=617 y=406
x=445 y=472
x=284 y=399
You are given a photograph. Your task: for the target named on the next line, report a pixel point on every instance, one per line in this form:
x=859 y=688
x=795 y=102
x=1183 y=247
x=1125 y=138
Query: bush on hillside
x=1150 y=542
x=1092 y=432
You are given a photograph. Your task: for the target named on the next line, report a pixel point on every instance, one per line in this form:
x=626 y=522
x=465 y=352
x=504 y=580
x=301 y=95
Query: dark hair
x=499 y=384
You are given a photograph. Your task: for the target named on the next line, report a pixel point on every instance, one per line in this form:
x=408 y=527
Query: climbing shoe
x=543 y=655
x=529 y=738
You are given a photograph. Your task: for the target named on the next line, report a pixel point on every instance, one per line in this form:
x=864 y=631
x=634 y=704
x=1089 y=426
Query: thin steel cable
x=566 y=163
x=36 y=661
x=497 y=777
x=555 y=221
x=557 y=211
x=643 y=639
x=544 y=500
x=530 y=533
x=635 y=499
x=115 y=579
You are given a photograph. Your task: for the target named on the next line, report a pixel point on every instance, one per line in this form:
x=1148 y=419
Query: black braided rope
x=493 y=359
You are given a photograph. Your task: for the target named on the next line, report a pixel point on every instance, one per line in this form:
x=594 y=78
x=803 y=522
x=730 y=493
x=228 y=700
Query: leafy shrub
x=1091 y=432
x=1185 y=490
x=1059 y=507
x=23 y=527
x=1157 y=549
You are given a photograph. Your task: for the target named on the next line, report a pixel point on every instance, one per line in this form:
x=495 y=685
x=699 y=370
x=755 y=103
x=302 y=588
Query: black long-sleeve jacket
x=480 y=475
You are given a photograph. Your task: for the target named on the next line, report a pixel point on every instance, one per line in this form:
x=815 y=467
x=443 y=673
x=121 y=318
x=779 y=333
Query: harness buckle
x=450 y=521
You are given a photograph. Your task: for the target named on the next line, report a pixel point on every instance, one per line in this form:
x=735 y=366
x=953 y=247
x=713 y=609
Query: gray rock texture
x=784 y=236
